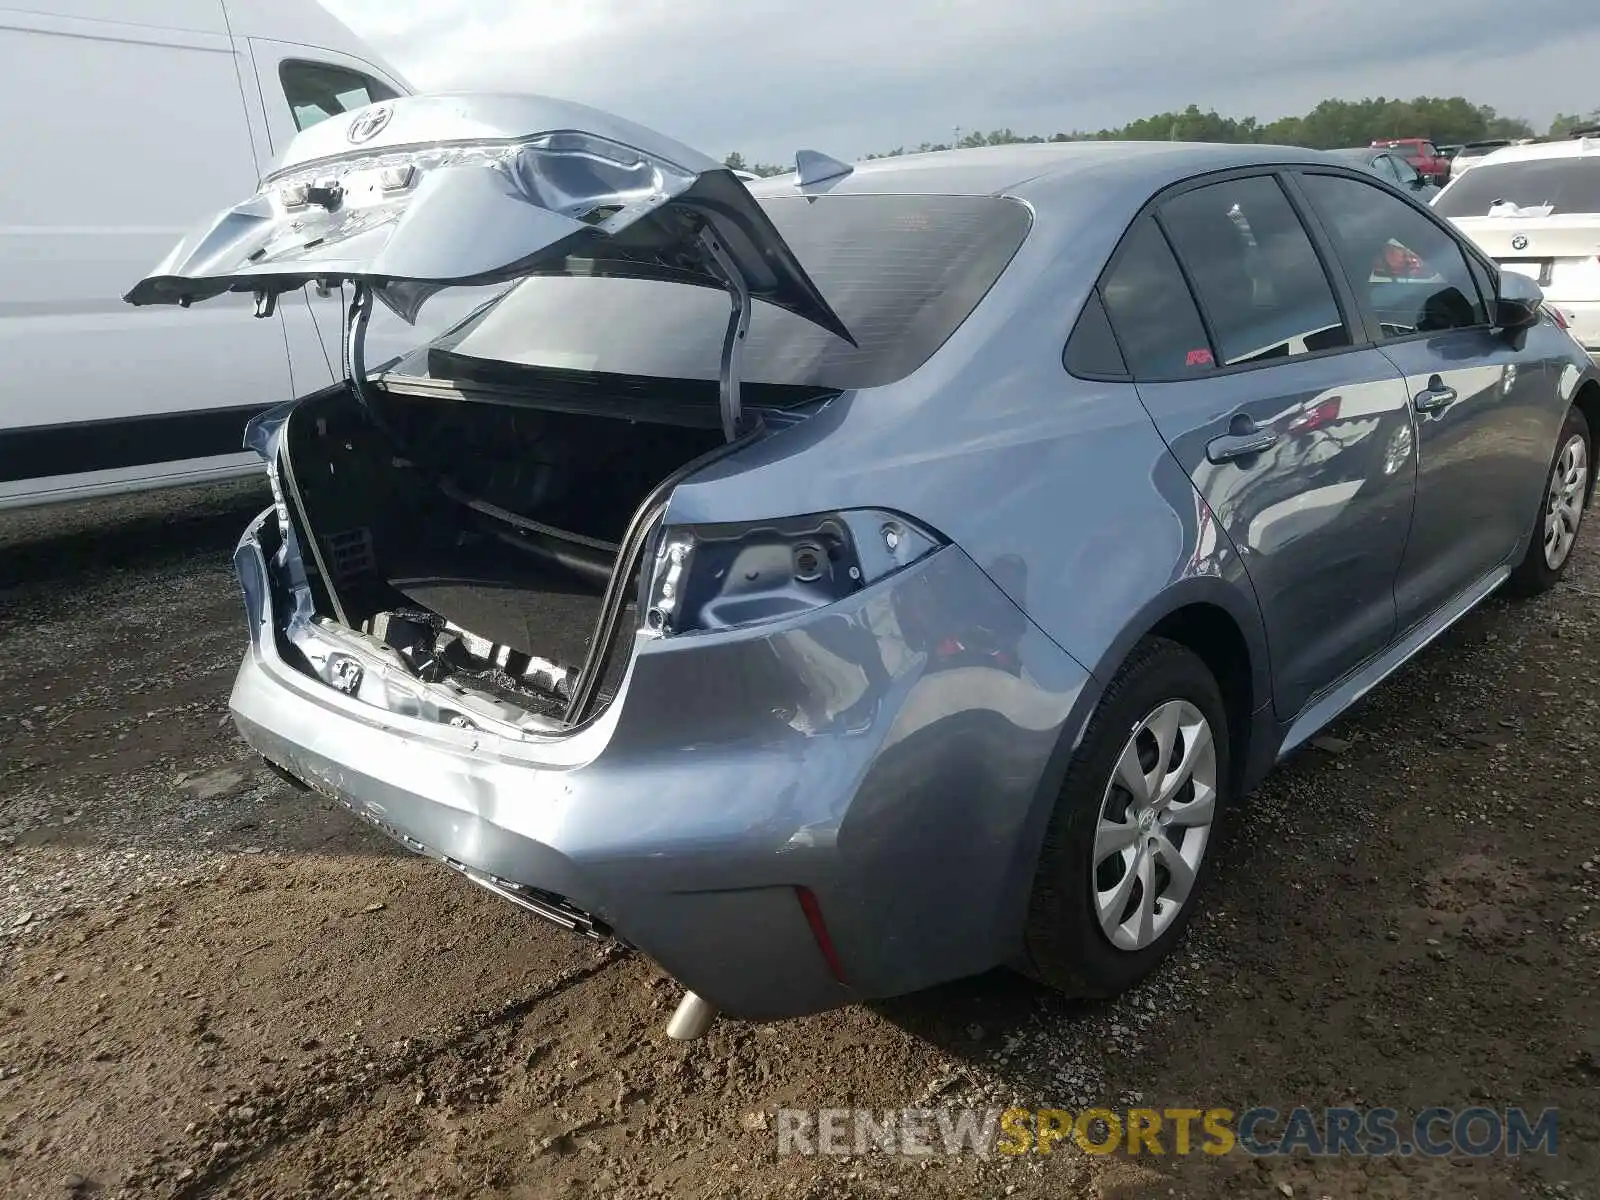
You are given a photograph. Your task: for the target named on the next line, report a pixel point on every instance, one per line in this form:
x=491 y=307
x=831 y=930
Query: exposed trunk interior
x=477 y=539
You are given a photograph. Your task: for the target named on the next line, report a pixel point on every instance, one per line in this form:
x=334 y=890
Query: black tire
x=1066 y=946
x=1534 y=574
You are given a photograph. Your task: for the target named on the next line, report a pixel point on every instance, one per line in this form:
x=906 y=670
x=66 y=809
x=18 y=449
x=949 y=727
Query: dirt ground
x=214 y=985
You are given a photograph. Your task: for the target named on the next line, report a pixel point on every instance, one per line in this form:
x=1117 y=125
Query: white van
x=127 y=121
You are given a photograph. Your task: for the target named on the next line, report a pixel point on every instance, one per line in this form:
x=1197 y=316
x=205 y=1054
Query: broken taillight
x=708 y=577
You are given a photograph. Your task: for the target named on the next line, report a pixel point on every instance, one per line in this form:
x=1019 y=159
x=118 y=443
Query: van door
x=302 y=86
x=121 y=136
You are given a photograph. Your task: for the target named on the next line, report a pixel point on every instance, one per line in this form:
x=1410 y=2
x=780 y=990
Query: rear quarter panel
x=1060 y=489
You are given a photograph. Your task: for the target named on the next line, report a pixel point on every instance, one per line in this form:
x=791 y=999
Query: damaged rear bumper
x=884 y=754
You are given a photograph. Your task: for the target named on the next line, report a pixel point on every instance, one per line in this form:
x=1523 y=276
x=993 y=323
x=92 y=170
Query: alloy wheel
x=1154 y=822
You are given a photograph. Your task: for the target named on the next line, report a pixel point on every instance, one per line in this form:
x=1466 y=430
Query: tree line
x=1329 y=126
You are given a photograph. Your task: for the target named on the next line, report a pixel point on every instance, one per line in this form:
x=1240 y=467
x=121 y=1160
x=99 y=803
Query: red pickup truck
x=1422 y=154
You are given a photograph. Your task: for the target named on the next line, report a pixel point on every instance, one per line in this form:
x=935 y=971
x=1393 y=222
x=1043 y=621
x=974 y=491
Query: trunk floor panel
x=499 y=594
x=549 y=625
x=557 y=627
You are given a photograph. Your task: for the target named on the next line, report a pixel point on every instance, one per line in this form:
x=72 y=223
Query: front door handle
x=1437 y=395
x=1240 y=445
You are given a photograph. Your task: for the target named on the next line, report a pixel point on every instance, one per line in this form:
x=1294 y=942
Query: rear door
x=1296 y=434
x=1476 y=395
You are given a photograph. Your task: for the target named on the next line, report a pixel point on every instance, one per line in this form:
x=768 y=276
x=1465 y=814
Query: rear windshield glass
x=902 y=272
x=1567 y=185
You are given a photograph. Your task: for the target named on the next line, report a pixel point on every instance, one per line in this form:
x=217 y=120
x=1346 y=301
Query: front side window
x=317 y=91
x=1404 y=172
x=1148 y=302
x=1255 y=270
x=1413 y=274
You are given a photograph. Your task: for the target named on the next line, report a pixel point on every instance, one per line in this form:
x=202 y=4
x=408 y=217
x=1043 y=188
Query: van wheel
x=1555 y=529
x=1125 y=854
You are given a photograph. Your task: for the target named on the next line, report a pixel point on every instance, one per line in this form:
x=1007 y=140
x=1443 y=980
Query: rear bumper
x=849 y=752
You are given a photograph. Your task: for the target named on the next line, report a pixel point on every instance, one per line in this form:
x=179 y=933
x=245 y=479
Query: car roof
x=1034 y=170
x=1578 y=147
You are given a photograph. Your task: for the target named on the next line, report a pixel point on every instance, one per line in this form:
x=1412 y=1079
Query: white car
x=1535 y=210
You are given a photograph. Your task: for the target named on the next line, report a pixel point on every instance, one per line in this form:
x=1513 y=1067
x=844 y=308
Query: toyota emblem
x=369 y=123
x=1520 y=242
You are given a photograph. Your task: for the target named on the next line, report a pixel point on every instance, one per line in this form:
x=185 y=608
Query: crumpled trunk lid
x=420 y=193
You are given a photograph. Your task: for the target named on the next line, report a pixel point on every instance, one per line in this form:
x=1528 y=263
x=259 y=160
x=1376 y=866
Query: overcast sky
x=767 y=77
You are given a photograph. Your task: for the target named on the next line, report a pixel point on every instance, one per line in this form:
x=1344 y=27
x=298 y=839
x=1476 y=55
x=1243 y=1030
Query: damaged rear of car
x=476 y=618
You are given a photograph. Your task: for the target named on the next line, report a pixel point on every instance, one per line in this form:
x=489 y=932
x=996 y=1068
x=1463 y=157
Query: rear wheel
x=1126 y=850
x=1555 y=529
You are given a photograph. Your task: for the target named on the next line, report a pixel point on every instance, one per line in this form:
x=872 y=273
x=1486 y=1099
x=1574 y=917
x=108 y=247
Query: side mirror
x=1517 y=305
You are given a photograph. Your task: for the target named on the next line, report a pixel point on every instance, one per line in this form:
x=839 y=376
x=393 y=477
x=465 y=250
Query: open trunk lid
x=416 y=194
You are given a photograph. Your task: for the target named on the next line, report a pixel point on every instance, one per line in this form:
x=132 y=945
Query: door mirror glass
x=1518 y=301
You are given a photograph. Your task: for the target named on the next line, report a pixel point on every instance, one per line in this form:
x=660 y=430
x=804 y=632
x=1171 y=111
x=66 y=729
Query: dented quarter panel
x=479 y=189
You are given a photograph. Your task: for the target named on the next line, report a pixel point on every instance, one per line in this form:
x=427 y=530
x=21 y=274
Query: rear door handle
x=1435 y=396
x=1240 y=445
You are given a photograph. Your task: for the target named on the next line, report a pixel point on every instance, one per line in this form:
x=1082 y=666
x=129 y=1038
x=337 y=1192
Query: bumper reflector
x=819 y=930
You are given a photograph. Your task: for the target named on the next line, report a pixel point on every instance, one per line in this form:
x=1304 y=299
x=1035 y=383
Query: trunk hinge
x=733 y=340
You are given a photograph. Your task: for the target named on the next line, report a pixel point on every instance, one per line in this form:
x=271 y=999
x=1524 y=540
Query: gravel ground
x=211 y=984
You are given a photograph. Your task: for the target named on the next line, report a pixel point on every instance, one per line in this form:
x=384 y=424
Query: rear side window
x=1149 y=305
x=1564 y=185
x=1256 y=272
x=317 y=91
x=1414 y=274
x=1092 y=350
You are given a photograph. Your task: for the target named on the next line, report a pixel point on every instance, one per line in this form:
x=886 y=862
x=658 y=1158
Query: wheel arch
x=1218 y=620
x=1587 y=401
